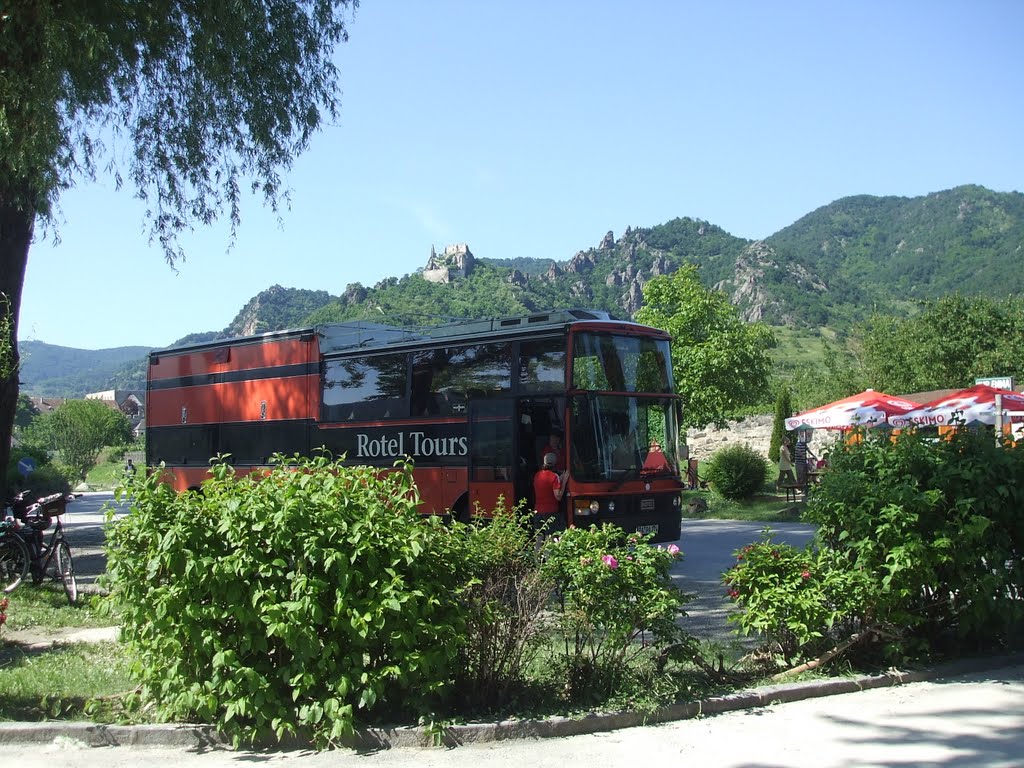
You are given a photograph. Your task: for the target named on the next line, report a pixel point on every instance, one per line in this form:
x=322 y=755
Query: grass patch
x=75 y=682
x=47 y=607
x=106 y=475
x=766 y=507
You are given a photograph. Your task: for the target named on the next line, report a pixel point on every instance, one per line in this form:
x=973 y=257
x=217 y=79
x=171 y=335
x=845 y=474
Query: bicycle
x=15 y=559
x=24 y=549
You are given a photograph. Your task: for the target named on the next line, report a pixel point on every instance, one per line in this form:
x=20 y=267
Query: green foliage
x=797 y=600
x=618 y=602
x=783 y=410
x=505 y=598
x=737 y=471
x=919 y=544
x=201 y=119
x=25 y=413
x=412 y=301
x=274 y=309
x=43 y=480
x=835 y=374
x=948 y=344
x=306 y=600
x=937 y=523
x=78 y=430
x=720 y=363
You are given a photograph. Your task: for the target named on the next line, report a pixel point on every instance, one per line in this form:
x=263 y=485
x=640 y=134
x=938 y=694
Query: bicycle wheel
x=14 y=561
x=66 y=567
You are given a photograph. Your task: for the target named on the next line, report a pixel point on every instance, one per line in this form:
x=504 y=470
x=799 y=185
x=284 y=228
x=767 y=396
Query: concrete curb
x=206 y=736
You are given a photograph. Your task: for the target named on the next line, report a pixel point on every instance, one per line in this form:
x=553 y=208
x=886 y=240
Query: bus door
x=491 y=454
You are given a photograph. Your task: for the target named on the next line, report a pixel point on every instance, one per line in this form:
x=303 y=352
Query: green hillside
x=893 y=249
x=48 y=370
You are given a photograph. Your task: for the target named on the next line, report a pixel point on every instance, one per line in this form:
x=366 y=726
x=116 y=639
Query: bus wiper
x=633 y=473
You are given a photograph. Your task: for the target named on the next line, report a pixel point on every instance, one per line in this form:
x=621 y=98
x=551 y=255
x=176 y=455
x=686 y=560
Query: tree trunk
x=15 y=238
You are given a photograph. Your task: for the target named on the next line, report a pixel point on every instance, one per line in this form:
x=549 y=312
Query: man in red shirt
x=555 y=446
x=548 y=488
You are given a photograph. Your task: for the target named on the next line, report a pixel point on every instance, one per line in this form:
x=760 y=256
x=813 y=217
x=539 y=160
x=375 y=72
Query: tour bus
x=472 y=404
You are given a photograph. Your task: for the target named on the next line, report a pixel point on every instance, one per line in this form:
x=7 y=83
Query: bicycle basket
x=38 y=522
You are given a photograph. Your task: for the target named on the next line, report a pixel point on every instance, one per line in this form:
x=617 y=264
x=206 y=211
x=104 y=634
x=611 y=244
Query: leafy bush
x=43 y=479
x=920 y=543
x=737 y=471
x=800 y=601
x=504 y=602
x=938 y=524
x=615 y=590
x=306 y=599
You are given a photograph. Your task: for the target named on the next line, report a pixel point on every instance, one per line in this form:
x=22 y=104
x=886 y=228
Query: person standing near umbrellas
x=802 y=455
x=785 y=465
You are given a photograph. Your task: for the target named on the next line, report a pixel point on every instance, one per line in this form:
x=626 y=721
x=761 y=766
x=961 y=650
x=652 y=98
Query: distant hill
x=48 y=370
x=828 y=270
x=896 y=249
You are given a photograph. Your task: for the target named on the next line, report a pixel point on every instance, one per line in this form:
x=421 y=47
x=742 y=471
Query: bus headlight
x=611 y=506
x=584 y=508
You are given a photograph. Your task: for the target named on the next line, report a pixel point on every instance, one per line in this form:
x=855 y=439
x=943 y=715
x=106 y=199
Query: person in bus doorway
x=555 y=446
x=548 y=489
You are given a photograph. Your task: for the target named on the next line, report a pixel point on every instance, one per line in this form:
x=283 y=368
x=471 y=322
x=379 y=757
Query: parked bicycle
x=25 y=550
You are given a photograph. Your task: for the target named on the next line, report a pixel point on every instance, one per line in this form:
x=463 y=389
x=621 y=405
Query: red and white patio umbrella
x=867 y=409
x=975 y=404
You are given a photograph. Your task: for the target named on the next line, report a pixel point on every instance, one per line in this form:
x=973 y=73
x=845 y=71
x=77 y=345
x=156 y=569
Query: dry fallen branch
x=827 y=657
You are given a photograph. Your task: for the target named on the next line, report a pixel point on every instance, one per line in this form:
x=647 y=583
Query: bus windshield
x=615 y=437
x=616 y=363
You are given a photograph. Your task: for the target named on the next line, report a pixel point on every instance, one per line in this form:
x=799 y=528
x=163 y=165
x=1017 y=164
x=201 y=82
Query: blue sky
x=532 y=128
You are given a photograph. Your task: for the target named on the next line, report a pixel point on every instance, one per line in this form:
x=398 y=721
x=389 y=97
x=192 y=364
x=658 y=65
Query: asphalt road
x=83 y=526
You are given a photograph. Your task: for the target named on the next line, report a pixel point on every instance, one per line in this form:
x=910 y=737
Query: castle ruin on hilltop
x=455 y=262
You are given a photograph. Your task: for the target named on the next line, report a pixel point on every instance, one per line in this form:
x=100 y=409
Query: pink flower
x=610 y=561
x=805 y=574
x=673 y=549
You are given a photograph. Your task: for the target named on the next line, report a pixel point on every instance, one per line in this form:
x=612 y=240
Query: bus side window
x=365 y=389
x=542 y=365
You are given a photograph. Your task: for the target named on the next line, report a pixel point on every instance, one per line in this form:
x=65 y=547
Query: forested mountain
x=48 y=370
x=830 y=269
x=966 y=240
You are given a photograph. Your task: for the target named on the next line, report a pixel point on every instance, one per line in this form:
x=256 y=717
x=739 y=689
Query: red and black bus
x=471 y=403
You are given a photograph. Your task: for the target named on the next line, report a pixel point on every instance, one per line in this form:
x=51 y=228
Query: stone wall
x=755 y=431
